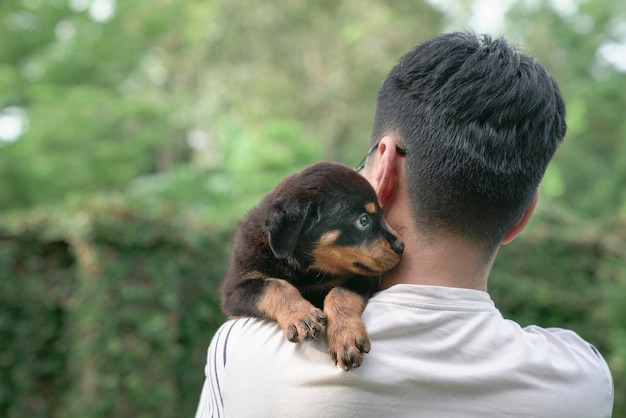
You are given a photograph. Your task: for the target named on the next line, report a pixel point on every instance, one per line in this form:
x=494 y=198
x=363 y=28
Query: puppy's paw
x=348 y=343
x=302 y=321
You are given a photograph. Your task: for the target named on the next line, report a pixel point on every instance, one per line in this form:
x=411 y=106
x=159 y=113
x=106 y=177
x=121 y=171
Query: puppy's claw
x=321 y=316
x=349 y=359
x=292 y=334
x=316 y=327
x=347 y=345
x=364 y=346
x=303 y=324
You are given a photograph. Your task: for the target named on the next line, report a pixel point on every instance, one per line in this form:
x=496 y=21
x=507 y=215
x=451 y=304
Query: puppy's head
x=327 y=218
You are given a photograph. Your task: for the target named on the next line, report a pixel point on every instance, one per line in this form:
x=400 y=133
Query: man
x=463 y=132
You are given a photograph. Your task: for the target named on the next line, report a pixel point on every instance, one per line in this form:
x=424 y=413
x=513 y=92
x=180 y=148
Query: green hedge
x=107 y=311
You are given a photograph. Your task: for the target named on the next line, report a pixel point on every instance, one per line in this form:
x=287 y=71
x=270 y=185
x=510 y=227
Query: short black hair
x=480 y=122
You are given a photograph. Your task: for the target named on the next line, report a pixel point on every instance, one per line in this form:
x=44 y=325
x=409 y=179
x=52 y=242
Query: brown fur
x=310 y=255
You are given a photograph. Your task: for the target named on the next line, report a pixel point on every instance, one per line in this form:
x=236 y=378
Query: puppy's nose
x=397 y=246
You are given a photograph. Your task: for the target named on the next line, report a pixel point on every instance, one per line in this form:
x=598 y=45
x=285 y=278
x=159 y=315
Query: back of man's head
x=480 y=123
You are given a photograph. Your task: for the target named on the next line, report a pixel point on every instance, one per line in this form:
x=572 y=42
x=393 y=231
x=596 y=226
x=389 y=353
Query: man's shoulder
x=568 y=347
x=548 y=368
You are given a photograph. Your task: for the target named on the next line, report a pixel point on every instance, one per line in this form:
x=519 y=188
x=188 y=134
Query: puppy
x=310 y=255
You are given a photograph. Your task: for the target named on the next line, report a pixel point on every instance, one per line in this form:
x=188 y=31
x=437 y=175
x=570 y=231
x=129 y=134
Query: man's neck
x=449 y=262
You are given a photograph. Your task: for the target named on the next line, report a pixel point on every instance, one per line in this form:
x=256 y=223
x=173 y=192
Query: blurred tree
x=317 y=63
x=97 y=109
x=117 y=91
x=224 y=98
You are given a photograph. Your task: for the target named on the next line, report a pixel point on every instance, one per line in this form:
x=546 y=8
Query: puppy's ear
x=284 y=224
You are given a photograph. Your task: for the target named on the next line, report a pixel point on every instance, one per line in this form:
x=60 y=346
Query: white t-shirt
x=436 y=352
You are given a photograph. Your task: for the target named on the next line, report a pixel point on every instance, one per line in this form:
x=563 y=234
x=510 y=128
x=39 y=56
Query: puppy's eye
x=362 y=222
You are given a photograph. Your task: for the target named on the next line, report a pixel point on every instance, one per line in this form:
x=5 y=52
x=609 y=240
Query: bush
x=106 y=311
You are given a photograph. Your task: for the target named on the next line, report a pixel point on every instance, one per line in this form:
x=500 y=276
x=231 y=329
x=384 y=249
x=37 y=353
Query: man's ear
x=523 y=221
x=284 y=224
x=386 y=176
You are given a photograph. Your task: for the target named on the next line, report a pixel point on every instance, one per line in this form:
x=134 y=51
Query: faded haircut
x=480 y=122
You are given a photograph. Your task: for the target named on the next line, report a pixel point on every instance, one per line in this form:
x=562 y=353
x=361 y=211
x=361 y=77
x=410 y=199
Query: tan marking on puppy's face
x=370 y=207
x=329 y=238
x=369 y=259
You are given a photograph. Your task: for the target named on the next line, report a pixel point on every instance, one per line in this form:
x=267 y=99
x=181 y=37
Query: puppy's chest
x=315 y=289
x=316 y=282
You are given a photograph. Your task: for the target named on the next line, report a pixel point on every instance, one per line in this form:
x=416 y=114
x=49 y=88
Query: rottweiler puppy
x=310 y=255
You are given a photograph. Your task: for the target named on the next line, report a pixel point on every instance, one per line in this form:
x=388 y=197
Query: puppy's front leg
x=297 y=317
x=345 y=331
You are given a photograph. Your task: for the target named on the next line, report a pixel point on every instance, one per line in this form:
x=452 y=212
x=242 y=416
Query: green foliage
x=249 y=165
x=95 y=117
x=181 y=114
x=110 y=101
x=106 y=310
